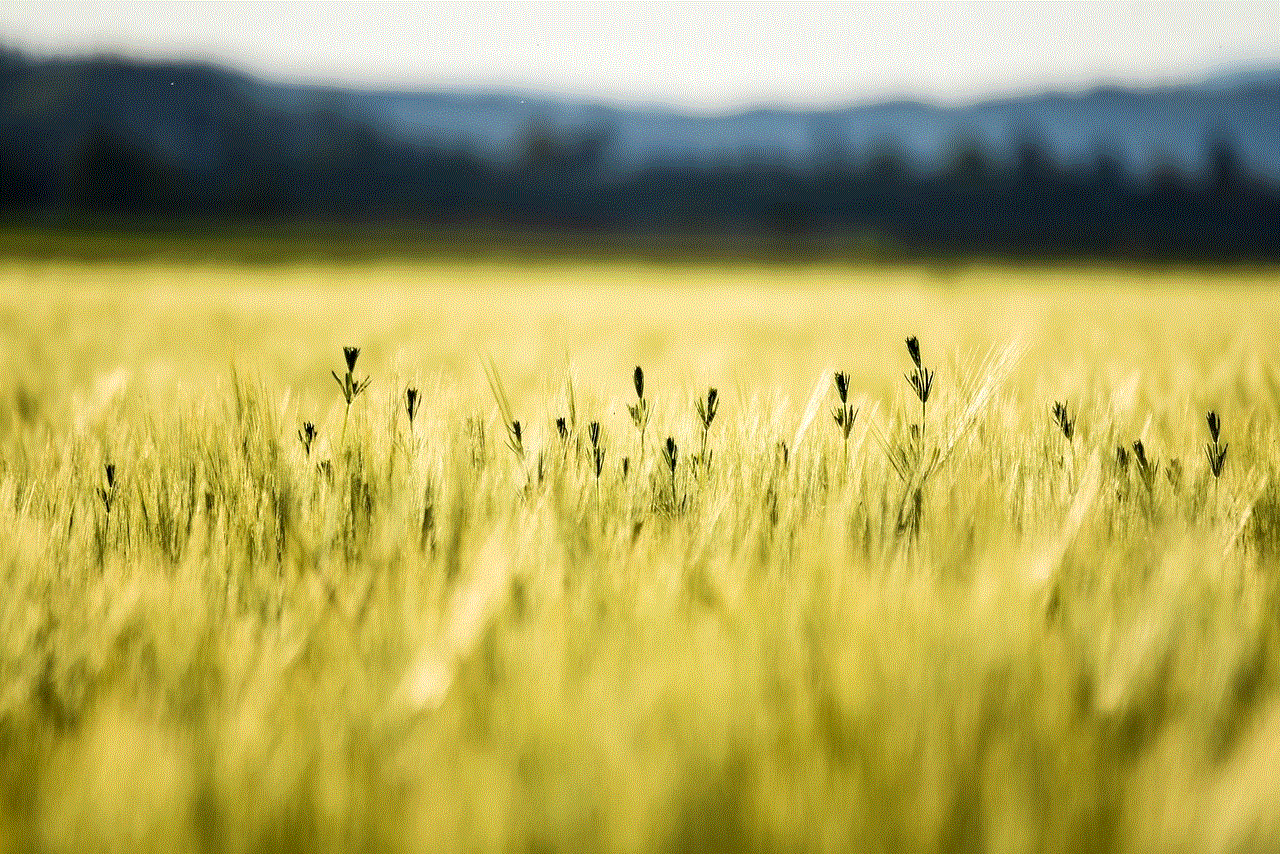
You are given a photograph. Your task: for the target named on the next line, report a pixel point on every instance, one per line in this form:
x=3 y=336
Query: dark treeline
x=218 y=155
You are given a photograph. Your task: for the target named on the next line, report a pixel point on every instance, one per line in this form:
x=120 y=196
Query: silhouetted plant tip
x=307 y=435
x=921 y=379
x=1147 y=469
x=515 y=438
x=707 y=411
x=844 y=414
x=351 y=387
x=640 y=410
x=706 y=414
x=411 y=402
x=107 y=493
x=1065 y=422
x=562 y=429
x=913 y=349
x=1122 y=457
x=670 y=456
x=597 y=452
x=1216 y=453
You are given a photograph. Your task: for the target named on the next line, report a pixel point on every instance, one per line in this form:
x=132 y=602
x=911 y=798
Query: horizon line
x=1222 y=72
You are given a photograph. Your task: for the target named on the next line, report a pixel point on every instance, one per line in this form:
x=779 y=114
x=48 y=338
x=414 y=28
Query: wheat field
x=971 y=633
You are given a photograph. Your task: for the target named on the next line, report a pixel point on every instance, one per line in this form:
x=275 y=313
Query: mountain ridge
x=1144 y=127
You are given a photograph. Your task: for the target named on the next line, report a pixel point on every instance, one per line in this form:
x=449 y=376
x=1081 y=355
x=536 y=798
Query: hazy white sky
x=699 y=55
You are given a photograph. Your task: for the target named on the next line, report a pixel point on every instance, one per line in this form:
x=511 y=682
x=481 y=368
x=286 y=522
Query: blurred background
x=1099 y=130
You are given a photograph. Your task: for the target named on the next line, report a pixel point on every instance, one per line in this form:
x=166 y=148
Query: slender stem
x=640 y=464
x=1071 y=466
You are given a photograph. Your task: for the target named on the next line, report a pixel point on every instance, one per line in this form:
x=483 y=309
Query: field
x=971 y=634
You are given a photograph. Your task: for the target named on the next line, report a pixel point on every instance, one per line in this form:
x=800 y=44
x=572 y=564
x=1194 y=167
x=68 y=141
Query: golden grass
x=440 y=645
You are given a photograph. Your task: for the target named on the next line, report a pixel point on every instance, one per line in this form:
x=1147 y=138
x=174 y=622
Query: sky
x=698 y=56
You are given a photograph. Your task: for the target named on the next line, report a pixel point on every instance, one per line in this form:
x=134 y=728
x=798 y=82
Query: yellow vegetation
x=989 y=638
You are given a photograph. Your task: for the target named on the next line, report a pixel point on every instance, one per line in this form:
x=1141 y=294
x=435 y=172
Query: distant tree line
x=332 y=169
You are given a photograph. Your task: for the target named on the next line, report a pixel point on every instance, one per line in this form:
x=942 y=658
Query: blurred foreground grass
x=416 y=640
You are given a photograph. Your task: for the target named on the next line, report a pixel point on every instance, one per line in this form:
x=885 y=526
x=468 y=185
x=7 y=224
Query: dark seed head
x=593 y=431
x=351 y=354
x=1214 y=425
x=1140 y=453
x=111 y=475
x=1064 y=421
x=707 y=409
x=306 y=436
x=842 y=386
x=639 y=380
x=515 y=430
x=562 y=429
x=913 y=347
x=411 y=402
